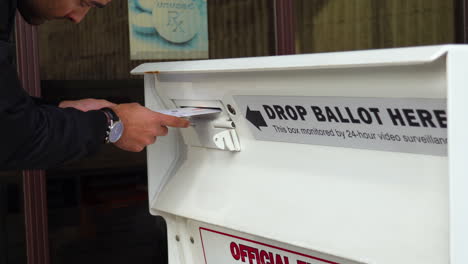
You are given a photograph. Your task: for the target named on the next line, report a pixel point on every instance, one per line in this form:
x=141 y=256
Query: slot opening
x=214 y=108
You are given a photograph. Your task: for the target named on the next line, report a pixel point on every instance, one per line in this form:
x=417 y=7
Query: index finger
x=172 y=121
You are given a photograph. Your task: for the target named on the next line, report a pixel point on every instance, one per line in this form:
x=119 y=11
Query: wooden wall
x=95 y=49
x=241 y=28
x=98 y=47
x=337 y=25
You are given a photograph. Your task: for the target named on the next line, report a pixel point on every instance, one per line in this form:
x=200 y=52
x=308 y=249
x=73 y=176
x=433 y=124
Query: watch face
x=116 y=132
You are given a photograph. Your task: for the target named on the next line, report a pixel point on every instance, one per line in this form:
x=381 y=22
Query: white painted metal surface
x=408 y=56
x=356 y=205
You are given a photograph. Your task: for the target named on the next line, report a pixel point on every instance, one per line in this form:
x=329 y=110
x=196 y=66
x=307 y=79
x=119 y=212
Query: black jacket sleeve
x=41 y=101
x=40 y=136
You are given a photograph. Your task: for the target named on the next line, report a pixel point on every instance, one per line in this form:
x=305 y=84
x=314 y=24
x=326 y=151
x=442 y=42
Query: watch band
x=108 y=127
x=111 y=119
x=113 y=115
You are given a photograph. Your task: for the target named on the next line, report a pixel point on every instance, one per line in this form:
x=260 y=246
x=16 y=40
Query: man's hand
x=142 y=126
x=86 y=105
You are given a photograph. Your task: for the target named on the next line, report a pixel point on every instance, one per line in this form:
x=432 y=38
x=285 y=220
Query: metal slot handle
x=214 y=131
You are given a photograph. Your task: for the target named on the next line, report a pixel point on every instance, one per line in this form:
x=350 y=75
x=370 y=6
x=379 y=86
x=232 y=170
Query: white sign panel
x=409 y=125
x=223 y=248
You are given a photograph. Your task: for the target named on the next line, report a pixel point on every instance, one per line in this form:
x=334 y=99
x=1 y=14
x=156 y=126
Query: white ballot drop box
x=350 y=157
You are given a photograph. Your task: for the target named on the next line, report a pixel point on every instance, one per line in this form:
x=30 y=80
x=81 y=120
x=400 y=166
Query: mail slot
x=210 y=131
x=352 y=157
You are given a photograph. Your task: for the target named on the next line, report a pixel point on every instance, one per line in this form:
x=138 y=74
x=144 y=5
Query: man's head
x=38 y=11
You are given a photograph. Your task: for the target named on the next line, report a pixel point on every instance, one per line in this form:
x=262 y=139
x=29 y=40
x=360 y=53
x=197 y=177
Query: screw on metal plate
x=231 y=109
x=177 y=238
x=192 y=240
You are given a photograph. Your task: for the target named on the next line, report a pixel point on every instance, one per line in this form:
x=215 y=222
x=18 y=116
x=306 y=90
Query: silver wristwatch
x=115 y=127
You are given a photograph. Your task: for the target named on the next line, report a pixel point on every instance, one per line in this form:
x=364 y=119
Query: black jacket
x=34 y=134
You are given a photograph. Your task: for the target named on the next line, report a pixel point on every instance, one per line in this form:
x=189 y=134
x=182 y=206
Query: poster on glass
x=168 y=29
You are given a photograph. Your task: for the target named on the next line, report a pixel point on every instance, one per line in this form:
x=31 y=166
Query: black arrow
x=256 y=118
